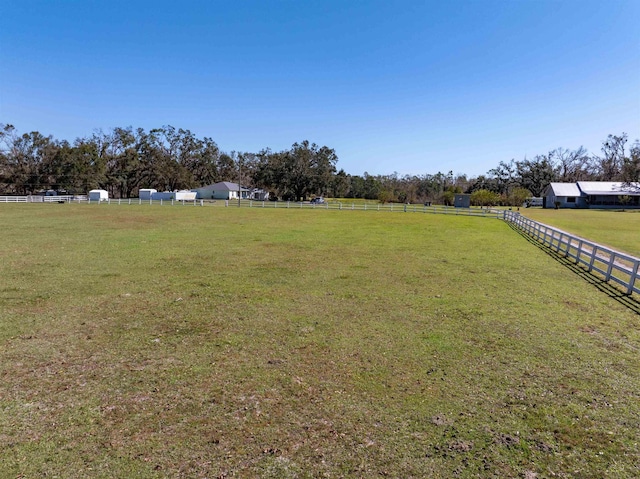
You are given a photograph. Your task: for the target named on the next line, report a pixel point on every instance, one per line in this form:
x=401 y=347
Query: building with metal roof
x=224 y=190
x=591 y=194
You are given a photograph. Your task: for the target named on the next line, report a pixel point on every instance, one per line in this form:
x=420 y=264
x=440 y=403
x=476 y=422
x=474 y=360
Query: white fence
x=84 y=199
x=390 y=207
x=614 y=266
x=41 y=199
x=138 y=201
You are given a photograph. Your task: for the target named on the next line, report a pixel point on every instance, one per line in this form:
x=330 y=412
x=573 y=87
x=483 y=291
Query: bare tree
x=609 y=165
x=572 y=165
x=630 y=174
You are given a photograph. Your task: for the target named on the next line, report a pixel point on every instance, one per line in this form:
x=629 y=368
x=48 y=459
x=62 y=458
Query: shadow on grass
x=610 y=290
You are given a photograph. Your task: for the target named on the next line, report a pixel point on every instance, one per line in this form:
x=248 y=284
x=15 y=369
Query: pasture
x=152 y=342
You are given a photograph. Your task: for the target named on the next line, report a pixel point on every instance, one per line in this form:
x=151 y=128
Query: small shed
x=462 y=201
x=185 y=195
x=182 y=195
x=98 y=195
x=146 y=193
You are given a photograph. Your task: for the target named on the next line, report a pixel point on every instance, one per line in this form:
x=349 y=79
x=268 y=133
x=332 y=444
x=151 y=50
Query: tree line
x=123 y=160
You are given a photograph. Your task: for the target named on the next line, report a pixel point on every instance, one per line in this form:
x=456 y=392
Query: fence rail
x=388 y=207
x=614 y=266
x=41 y=199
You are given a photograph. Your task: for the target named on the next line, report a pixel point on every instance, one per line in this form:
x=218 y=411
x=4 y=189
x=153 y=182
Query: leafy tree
x=340 y=185
x=372 y=187
x=385 y=196
x=296 y=173
x=357 y=187
x=536 y=174
x=518 y=196
x=503 y=177
x=448 y=197
x=121 y=151
x=484 y=198
x=26 y=159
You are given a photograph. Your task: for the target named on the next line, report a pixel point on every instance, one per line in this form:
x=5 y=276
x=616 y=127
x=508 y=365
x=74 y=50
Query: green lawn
x=150 y=342
x=617 y=229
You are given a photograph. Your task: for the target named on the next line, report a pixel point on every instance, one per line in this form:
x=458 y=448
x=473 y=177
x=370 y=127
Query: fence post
x=612 y=259
x=633 y=276
x=559 y=242
x=579 y=252
x=594 y=251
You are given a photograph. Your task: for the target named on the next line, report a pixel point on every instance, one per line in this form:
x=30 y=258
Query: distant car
x=317 y=201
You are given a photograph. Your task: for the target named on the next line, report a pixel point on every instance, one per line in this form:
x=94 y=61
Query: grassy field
x=617 y=229
x=151 y=342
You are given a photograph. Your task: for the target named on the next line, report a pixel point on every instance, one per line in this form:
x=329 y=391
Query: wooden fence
x=614 y=266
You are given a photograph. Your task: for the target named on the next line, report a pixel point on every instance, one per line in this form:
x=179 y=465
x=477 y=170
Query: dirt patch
x=507 y=440
x=441 y=420
x=460 y=446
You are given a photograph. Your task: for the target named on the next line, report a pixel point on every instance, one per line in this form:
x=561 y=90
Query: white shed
x=146 y=193
x=185 y=195
x=98 y=195
x=174 y=195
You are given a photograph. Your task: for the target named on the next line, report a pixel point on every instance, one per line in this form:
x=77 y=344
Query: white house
x=223 y=190
x=591 y=194
x=98 y=195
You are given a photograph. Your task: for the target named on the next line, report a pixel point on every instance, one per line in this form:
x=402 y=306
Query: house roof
x=565 y=189
x=614 y=188
x=223 y=186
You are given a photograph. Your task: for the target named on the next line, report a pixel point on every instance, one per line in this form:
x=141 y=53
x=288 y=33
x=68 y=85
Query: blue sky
x=407 y=87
